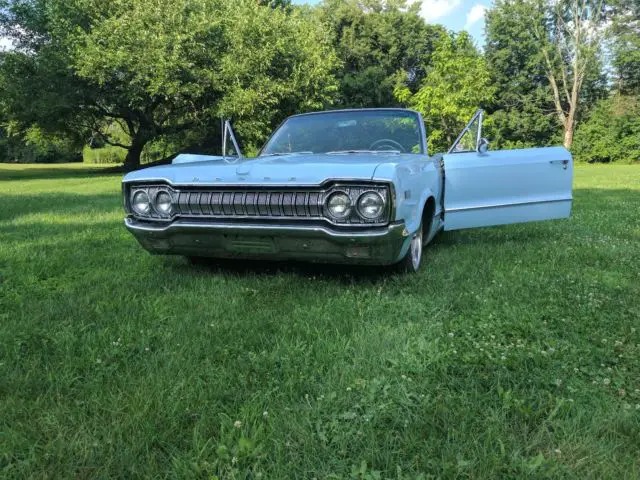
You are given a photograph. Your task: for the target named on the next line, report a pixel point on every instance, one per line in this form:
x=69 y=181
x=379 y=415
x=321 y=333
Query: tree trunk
x=569 y=123
x=132 y=160
x=568 y=136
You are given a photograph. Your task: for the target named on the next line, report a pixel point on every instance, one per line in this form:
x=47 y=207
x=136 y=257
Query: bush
x=106 y=154
x=34 y=146
x=611 y=133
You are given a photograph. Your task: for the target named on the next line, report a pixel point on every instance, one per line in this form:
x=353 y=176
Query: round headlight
x=370 y=205
x=339 y=205
x=163 y=203
x=140 y=202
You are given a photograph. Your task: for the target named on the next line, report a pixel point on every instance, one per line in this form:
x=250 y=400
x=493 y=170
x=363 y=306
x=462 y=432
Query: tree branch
x=554 y=87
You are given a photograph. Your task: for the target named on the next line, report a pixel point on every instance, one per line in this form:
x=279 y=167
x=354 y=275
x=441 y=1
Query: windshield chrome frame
x=423 y=133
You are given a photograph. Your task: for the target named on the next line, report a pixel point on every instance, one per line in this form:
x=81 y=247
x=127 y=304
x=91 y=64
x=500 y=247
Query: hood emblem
x=242 y=170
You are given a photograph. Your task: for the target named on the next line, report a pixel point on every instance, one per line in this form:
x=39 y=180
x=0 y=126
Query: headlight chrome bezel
x=156 y=203
x=136 y=193
x=153 y=212
x=360 y=209
x=336 y=194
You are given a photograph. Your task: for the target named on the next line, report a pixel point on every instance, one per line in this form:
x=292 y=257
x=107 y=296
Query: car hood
x=312 y=169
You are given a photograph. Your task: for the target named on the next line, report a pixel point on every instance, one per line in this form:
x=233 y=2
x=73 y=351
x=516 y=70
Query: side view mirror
x=483 y=145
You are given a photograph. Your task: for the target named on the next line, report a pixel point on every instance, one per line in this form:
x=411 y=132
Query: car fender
x=414 y=183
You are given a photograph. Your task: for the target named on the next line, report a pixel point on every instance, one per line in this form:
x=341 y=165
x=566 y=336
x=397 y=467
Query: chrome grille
x=261 y=204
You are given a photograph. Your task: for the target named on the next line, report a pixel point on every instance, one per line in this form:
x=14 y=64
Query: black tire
x=413 y=259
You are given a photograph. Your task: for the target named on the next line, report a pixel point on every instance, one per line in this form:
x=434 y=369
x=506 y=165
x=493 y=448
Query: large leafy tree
x=160 y=68
x=522 y=110
x=546 y=62
x=625 y=36
x=379 y=43
x=570 y=44
x=457 y=84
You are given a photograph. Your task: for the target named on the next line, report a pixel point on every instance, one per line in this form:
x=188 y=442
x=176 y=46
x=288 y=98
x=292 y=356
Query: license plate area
x=240 y=244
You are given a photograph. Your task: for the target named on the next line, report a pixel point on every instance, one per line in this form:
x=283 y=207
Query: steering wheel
x=386 y=142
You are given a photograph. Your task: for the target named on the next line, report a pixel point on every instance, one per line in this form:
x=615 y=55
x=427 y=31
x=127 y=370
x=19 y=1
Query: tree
x=625 y=33
x=160 y=68
x=611 y=133
x=457 y=84
x=570 y=44
x=378 y=43
x=522 y=111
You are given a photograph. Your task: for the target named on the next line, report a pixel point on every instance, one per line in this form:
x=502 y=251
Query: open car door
x=484 y=188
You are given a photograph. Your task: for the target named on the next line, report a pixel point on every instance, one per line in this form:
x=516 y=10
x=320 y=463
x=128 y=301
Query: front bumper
x=316 y=243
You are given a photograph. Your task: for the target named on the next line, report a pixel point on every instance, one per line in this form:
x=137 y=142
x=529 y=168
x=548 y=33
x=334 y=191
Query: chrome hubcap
x=416 y=249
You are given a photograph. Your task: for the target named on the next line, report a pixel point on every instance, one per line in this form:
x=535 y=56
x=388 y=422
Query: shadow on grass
x=55 y=204
x=55 y=173
x=343 y=273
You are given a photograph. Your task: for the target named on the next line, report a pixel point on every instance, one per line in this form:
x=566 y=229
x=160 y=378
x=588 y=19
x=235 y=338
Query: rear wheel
x=413 y=259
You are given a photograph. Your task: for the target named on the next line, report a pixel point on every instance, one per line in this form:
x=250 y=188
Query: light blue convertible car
x=346 y=186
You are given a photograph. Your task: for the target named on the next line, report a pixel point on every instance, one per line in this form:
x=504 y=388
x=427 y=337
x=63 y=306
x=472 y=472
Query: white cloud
x=432 y=10
x=475 y=15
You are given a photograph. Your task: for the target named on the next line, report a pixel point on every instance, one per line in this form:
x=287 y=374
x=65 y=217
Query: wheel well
x=428 y=212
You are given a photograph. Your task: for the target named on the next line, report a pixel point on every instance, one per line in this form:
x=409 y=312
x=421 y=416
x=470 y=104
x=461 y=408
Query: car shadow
x=344 y=273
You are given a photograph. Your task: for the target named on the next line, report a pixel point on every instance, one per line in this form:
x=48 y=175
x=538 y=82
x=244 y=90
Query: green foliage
x=32 y=145
x=457 y=84
x=625 y=33
x=160 y=69
x=102 y=155
x=521 y=110
x=153 y=78
x=507 y=357
x=378 y=42
x=535 y=50
x=611 y=133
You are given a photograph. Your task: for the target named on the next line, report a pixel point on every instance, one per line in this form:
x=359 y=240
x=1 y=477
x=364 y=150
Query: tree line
x=136 y=80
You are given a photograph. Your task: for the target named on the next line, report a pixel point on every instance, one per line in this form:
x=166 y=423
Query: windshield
x=348 y=132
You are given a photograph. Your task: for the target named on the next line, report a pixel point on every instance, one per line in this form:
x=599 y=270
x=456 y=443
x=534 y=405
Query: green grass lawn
x=514 y=353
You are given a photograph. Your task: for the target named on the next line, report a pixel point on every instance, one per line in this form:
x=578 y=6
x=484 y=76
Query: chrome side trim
x=502 y=205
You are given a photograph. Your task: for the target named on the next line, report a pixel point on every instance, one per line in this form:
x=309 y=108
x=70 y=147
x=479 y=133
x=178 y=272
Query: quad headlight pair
x=370 y=205
x=142 y=203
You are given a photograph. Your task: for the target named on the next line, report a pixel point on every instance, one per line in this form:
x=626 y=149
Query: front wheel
x=413 y=259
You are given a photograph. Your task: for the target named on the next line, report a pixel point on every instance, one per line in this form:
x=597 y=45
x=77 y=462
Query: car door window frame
x=229 y=135
x=476 y=117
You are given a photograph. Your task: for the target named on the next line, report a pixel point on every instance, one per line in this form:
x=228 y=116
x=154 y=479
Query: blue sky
x=454 y=14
